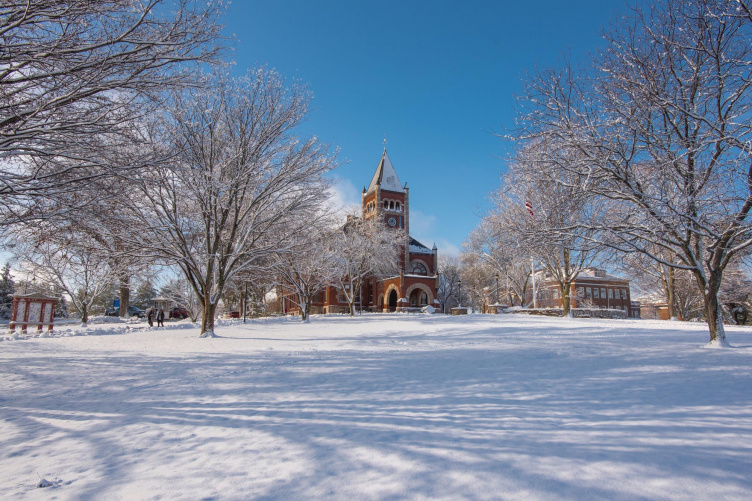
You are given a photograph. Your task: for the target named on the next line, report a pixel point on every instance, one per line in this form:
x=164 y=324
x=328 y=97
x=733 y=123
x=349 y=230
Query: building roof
x=385 y=176
x=587 y=275
x=34 y=295
x=600 y=274
x=418 y=248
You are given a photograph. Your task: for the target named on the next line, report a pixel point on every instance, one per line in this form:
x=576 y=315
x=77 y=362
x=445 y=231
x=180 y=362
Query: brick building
x=592 y=288
x=387 y=200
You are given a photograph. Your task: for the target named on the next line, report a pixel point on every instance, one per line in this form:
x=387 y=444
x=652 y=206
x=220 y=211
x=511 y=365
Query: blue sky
x=437 y=78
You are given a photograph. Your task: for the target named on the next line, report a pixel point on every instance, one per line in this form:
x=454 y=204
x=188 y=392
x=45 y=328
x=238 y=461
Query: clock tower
x=387 y=200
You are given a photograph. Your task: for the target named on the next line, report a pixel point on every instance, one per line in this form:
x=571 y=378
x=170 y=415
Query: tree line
x=126 y=146
x=641 y=155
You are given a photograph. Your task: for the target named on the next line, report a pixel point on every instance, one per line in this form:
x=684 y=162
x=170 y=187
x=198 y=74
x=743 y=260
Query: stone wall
x=576 y=312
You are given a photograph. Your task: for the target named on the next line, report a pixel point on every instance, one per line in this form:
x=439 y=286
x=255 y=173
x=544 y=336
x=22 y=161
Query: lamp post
x=459 y=284
x=497 y=287
x=245 y=301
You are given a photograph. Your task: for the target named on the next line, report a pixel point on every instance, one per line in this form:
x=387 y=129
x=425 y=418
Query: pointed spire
x=385 y=176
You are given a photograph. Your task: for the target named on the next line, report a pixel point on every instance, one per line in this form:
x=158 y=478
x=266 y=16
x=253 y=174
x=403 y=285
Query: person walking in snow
x=160 y=318
x=150 y=316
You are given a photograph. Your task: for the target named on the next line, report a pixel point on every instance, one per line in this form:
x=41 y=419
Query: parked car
x=133 y=311
x=179 y=313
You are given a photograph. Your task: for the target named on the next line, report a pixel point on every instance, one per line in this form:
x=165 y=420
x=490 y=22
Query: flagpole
x=529 y=207
x=532 y=269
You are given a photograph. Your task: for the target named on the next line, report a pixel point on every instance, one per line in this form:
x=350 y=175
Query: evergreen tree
x=144 y=294
x=61 y=307
x=7 y=287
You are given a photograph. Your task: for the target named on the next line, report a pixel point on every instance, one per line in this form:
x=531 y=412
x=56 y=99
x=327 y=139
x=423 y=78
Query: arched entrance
x=419 y=295
x=418 y=298
x=393 y=297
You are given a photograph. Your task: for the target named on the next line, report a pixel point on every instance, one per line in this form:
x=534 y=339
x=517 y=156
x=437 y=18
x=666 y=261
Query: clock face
x=392 y=221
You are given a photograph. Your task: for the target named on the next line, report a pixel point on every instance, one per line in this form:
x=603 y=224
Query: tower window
x=386 y=204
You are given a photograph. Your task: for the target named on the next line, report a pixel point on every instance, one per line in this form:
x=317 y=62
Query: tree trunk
x=243 y=303
x=714 y=317
x=351 y=304
x=712 y=306
x=305 y=312
x=566 y=300
x=84 y=314
x=671 y=296
x=207 y=318
x=125 y=296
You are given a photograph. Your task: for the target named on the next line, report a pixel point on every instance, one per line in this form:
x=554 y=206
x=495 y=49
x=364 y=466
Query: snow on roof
x=385 y=176
x=418 y=248
x=583 y=277
x=588 y=275
x=599 y=274
x=33 y=295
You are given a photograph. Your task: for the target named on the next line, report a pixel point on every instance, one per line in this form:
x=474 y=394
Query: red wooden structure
x=32 y=309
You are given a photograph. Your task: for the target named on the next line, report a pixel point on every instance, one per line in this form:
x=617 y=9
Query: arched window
x=418 y=268
x=386 y=204
x=391 y=205
x=397 y=206
x=423 y=299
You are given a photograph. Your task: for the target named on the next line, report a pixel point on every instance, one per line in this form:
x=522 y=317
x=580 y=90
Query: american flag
x=529 y=207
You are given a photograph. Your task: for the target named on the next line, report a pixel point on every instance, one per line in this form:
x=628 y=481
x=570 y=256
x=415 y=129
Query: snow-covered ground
x=378 y=407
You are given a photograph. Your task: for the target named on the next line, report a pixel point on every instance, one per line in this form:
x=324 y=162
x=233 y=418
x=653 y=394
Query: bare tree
x=73 y=75
x=308 y=267
x=94 y=209
x=363 y=248
x=661 y=127
x=239 y=183
x=449 y=275
x=68 y=260
x=502 y=251
x=477 y=276
x=549 y=212
x=656 y=278
x=182 y=295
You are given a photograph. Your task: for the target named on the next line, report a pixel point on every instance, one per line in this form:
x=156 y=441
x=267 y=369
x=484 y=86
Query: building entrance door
x=393 y=300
